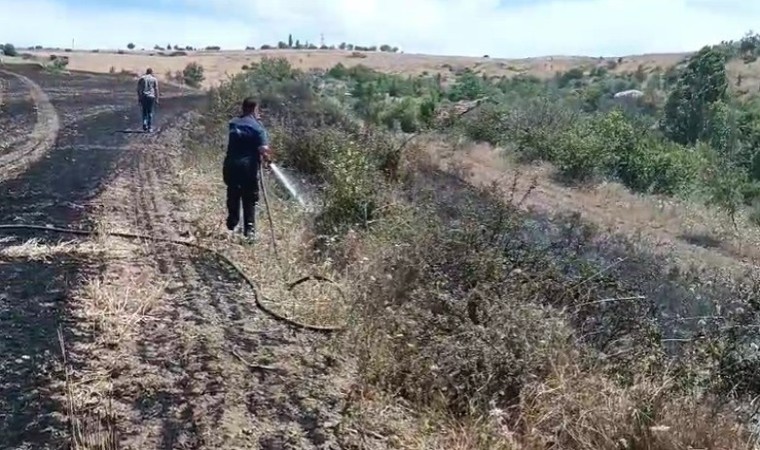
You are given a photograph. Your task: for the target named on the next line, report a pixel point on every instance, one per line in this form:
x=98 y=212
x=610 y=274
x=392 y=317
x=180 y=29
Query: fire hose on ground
x=258 y=296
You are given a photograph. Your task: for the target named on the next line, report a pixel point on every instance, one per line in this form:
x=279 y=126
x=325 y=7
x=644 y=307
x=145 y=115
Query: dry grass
x=35 y=250
x=90 y=430
x=112 y=307
x=218 y=65
x=580 y=409
x=312 y=302
x=699 y=235
x=374 y=420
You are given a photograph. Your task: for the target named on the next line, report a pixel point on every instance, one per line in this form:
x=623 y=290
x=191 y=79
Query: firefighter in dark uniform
x=247 y=149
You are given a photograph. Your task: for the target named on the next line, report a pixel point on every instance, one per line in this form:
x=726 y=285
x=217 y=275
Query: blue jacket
x=246 y=135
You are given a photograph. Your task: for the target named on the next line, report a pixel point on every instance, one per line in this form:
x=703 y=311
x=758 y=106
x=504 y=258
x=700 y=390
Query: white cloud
x=466 y=27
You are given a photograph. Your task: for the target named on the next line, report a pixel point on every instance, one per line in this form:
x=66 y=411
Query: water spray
x=285 y=182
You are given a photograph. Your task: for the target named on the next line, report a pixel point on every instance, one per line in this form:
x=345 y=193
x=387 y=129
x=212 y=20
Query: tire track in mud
x=20 y=151
x=203 y=395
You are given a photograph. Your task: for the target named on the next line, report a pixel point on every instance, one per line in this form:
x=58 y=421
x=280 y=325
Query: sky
x=499 y=28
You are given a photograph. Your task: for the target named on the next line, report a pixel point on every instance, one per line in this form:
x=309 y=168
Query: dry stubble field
x=218 y=65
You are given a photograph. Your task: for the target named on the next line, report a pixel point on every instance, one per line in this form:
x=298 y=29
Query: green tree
x=290 y=41
x=468 y=86
x=702 y=83
x=427 y=111
x=563 y=79
x=725 y=185
x=749 y=45
x=9 y=50
x=131 y=46
x=591 y=98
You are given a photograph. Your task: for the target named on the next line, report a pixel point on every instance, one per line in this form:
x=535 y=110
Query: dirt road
x=165 y=348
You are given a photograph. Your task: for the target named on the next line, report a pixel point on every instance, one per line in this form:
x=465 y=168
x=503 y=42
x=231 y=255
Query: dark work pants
x=241 y=178
x=147 y=105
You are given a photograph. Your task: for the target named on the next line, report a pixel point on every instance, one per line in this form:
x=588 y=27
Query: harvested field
x=218 y=65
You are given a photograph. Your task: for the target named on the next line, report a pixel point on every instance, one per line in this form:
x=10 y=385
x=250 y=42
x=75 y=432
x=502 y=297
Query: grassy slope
x=217 y=64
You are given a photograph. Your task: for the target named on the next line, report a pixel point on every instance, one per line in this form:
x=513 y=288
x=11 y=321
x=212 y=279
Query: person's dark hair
x=249 y=105
x=149 y=71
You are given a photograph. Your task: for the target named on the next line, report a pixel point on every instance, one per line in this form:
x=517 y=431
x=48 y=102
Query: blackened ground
x=17 y=114
x=56 y=189
x=662 y=298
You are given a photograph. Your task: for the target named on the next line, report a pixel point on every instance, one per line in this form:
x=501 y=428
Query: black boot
x=232 y=223
x=249 y=230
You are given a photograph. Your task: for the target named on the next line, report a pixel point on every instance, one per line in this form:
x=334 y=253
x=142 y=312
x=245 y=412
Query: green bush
x=487 y=125
x=193 y=75
x=405 y=113
x=660 y=167
x=593 y=148
x=351 y=189
x=9 y=50
x=579 y=154
x=534 y=124
x=469 y=86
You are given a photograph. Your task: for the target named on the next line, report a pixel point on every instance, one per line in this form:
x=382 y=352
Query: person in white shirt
x=147 y=97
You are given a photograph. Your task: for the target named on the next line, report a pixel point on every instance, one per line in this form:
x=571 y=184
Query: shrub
x=405 y=114
x=58 y=63
x=487 y=125
x=661 y=167
x=9 y=50
x=534 y=125
x=469 y=86
x=754 y=214
x=193 y=74
x=563 y=79
x=580 y=154
x=436 y=334
x=350 y=194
